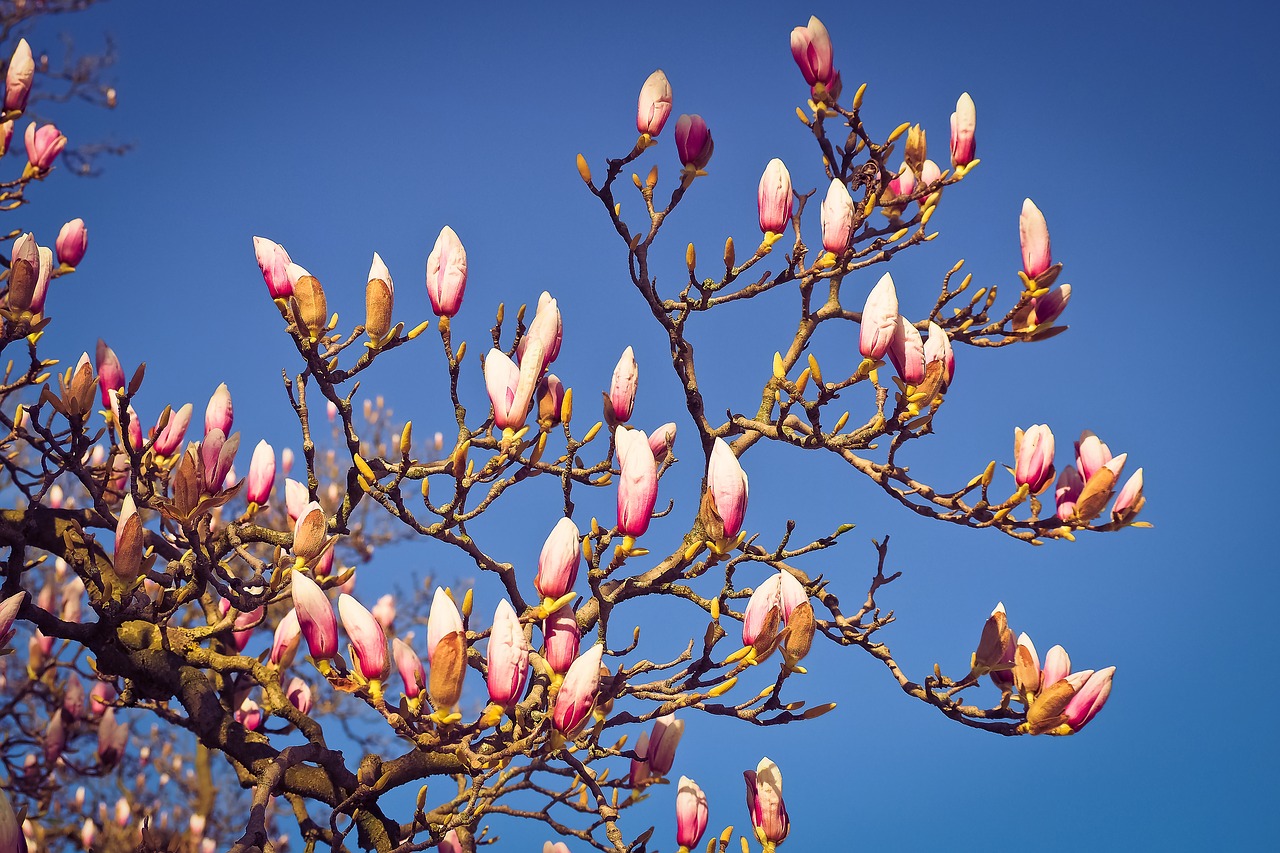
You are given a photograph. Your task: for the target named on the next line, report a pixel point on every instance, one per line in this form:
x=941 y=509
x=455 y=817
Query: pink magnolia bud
x=578 y=691
x=904 y=183
x=906 y=351
x=558 y=847
x=55 y=737
x=811 y=49
x=508 y=656
x=1130 y=500
x=244 y=625
x=1049 y=307
x=110 y=374
x=409 y=665
x=367 y=638
x=446 y=273
x=1034 y=234
x=639 y=766
x=661 y=440
x=451 y=843
x=17 y=80
x=637 y=481
x=837 y=217
x=169 y=440
x=781 y=591
x=274 y=262
x=879 y=319
x=1089 y=699
x=559 y=560
x=1033 y=450
x=218 y=414
x=99 y=697
x=73 y=697
x=43 y=276
x=774 y=198
x=296 y=498
x=550 y=397
x=196 y=823
x=964 y=121
x=691 y=813
x=444 y=619
x=324 y=567
x=284 y=644
x=1057 y=666
x=72 y=242
x=546 y=328
x=124 y=812
x=309 y=532
x=622 y=389
x=1091 y=454
x=561 y=638
x=929 y=173
x=655 y=104
x=249 y=715
x=262 y=474
x=88 y=834
x=217 y=452
x=510 y=387
x=938 y=348
x=693 y=142
x=385 y=611
x=727 y=485
x=8 y=613
x=1067 y=492
x=43 y=145
x=113 y=738
x=661 y=751
x=764 y=802
x=315 y=615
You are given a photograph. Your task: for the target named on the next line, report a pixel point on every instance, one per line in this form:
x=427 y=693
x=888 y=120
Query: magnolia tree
x=178 y=679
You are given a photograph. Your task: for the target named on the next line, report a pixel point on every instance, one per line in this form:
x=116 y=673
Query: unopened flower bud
x=1034 y=235
x=774 y=198
x=655 y=104
x=72 y=242
x=963 y=124
x=693 y=142
x=446 y=273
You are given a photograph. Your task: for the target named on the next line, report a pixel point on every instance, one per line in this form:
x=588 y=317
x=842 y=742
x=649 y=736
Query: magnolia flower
x=446 y=273
x=508 y=658
x=879 y=319
x=578 y=691
x=963 y=122
x=774 y=198
x=764 y=802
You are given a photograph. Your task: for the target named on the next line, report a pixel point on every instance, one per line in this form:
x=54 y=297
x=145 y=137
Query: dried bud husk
x=309 y=535
x=1026 y=671
x=129 y=545
x=800 y=628
x=22 y=285
x=767 y=639
x=309 y=304
x=188 y=478
x=994 y=646
x=77 y=398
x=448 y=666
x=1046 y=713
x=917 y=150
x=1095 y=494
x=934 y=382
x=712 y=524
x=378 y=301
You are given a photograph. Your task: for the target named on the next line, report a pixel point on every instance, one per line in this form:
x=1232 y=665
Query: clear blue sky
x=1141 y=130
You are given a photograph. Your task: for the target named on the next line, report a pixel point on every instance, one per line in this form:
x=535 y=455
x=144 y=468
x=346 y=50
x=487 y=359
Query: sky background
x=1141 y=131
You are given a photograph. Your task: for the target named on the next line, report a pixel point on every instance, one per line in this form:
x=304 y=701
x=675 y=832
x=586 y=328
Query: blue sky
x=1140 y=130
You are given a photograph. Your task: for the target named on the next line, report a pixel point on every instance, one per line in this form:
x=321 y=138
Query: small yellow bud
x=652 y=180
x=899 y=130
x=583 y=169
x=406 y=438
x=844 y=419
x=778 y=370
x=363 y=468
x=729 y=254
x=566 y=406
x=690 y=258
x=591 y=433
x=721 y=689
x=857 y=97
